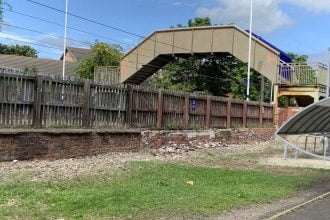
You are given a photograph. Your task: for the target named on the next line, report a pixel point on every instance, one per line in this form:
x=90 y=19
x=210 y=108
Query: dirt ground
x=299 y=162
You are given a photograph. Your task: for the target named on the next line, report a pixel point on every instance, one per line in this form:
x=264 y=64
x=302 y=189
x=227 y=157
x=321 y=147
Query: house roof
x=312 y=119
x=78 y=53
x=43 y=66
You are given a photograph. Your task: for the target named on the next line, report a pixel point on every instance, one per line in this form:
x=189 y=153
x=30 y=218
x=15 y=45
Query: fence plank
x=37 y=102
x=86 y=104
x=228 y=113
x=208 y=112
x=186 y=111
x=160 y=109
x=245 y=114
x=261 y=111
x=129 y=105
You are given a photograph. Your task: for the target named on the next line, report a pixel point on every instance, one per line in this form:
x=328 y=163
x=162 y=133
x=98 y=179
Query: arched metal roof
x=312 y=119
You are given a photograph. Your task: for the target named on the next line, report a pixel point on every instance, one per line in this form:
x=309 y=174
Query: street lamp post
x=250 y=50
x=65 y=34
x=328 y=75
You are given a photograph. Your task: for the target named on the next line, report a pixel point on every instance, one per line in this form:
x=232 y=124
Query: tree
x=197 y=22
x=3 y=3
x=30 y=70
x=1 y=10
x=103 y=54
x=298 y=58
x=24 y=50
x=211 y=75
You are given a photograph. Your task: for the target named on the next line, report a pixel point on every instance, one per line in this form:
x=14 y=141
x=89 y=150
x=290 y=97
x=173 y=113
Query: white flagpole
x=328 y=75
x=65 y=36
x=249 y=59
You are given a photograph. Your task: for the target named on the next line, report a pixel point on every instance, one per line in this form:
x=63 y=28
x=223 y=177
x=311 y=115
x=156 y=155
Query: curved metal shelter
x=313 y=122
x=157 y=50
x=312 y=119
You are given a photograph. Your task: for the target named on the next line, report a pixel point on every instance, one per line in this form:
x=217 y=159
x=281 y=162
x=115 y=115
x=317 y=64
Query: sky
x=299 y=26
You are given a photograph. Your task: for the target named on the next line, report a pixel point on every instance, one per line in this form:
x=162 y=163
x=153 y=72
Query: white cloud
x=14 y=37
x=268 y=16
x=177 y=3
x=310 y=5
x=185 y=4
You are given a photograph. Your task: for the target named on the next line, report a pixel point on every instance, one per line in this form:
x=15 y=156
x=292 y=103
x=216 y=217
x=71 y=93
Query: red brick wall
x=283 y=114
x=67 y=144
x=57 y=144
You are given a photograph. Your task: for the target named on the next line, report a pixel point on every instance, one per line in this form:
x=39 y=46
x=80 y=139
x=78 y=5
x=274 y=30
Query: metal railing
x=302 y=74
x=108 y=74
x=303 y=150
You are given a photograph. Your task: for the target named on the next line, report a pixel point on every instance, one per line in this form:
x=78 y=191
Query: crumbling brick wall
x=57 y=144
x=43 y=144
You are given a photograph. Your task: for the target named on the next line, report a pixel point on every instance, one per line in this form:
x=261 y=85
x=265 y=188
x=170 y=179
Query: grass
x=145 y=189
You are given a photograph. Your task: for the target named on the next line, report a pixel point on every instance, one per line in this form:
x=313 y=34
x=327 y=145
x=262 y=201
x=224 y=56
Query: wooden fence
x=37 y=101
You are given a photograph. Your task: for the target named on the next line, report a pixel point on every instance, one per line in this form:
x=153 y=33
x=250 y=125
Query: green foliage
x=30 y=70
x=298 y=58
x=215 y=75
x=3 y=3
x=197 y=22
x=1 y=10
x=211 y=75
x=146 y=190
x=238 y=87
x=103 y=54
x=24 y=50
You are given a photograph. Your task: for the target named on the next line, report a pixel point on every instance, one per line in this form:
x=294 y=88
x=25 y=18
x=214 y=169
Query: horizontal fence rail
x=303 y=74
x=38 y=101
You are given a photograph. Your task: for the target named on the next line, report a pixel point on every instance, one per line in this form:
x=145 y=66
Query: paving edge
x=297 y=206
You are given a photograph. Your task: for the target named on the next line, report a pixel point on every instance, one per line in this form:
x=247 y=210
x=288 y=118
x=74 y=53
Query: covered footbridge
x=157 y=50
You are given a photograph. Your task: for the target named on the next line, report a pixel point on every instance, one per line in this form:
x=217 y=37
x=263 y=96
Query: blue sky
x=299 y=26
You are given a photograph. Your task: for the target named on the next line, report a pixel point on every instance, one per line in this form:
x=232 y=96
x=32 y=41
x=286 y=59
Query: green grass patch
x=146 y=189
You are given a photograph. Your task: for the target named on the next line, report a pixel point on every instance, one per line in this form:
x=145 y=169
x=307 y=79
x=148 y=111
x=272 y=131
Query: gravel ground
x=42 y=170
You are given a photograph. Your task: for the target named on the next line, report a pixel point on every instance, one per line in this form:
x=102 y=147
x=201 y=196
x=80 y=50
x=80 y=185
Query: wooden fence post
x=86 y=104
x=186 y=111
x=208 y=112
x=160 y=109
x=261 y=113
x=228 y=112
x=245 y=113
x=36 y=121
x=129 y=105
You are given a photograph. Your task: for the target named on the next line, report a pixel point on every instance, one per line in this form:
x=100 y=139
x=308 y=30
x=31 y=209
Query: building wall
x=69 y=57
x=283 y=114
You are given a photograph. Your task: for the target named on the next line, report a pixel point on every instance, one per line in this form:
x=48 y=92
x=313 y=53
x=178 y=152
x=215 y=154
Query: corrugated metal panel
x=312 y=119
